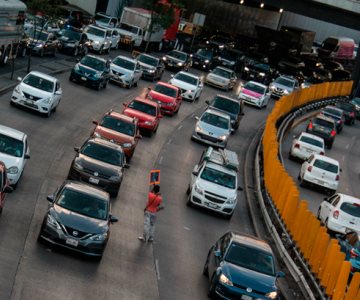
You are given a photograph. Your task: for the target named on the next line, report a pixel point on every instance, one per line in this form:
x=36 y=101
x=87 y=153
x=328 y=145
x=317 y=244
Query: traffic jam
x=118 y=52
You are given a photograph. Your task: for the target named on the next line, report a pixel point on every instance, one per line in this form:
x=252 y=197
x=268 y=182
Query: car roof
x=217 y=112
x=167 y=85
x=227 y=98
x=105 y=143
x=189 y=74
x=226 y=69
x=121 y=116
x=326 y=158
x=348 y=198
x=86 y=188
x=320 y=116
x=257 y=83
x=152 y=103
x=14 y=133
x=246 y=239
x=97 y=57
x=315 y=137
x=148 y=55
x=42 y=75
x=126 y=58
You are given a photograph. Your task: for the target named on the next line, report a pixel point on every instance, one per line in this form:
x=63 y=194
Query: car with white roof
x=125 y=71
x=100 y=38
x=222 y=78
x=254 y=93
x=14 y=152
x=321 y=171
x=39 y=92
x=190 y=85
x=305 y=144
x=340 y=213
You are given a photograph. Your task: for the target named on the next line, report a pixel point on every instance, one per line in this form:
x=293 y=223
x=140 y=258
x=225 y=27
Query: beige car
x=222 y=78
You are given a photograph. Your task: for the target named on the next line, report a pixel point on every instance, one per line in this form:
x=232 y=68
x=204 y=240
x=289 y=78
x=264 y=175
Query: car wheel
x=55 y=51
x=130 y=85
x=101 y=50
x=326 y=223
x=105 y=84
x=205 y=271
x=188 y=190
x=98 y=87
x=76 y=51
x=302 y=182
x=330 y=145
x=1 y=210
x=108 y=49
x=188 y=202
x=318 y=214
x=212 y=285
x=48 y=114
x=290 y=157
x=228 y=217
x=135 y=84
x=42 y=52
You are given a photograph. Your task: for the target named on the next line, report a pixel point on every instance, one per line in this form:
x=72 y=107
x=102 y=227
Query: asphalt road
x=170 y=268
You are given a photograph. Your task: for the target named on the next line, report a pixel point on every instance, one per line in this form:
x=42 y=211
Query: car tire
x=101 y=50
x=302 y=182
x=318 y=214
x=105 y=83
x=130 y=85
x=188 y=202
x=135 y=84
x=76 y=51
x=98 y=87
x=211 y=289
x=188 y=190
x=290 y=157
x=205 y=270
x=48 y=114
x=330 y=145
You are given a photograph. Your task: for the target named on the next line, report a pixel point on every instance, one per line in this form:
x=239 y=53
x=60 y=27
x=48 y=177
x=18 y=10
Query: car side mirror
x=58 y=92
x=95 y=122
x=27 y=156
x=8 y=189
x=197 y=118
x=50 y=198
x=195 y=173
x=19 y=79
x=113 y=219
x=280 y=274
x=77 y=149
x=207 y=102
x=172 y=75
x=217 y=253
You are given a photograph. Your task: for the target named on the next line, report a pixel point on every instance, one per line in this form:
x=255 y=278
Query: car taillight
x=337 y=178
x=310 y=125
x=333 y=133
x=336 y=214
x=352 y=114
x=309 y=168
x=297 y=145
x=353 y=254
x=322 y=153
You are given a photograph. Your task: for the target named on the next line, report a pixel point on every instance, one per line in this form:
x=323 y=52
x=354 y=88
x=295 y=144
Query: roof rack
x=223 y=157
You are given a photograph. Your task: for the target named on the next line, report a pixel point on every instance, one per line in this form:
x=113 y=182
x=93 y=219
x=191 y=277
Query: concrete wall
x=88 y=5
x=351 y=5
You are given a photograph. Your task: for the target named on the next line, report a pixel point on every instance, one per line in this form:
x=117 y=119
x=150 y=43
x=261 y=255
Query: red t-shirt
x=154 y=201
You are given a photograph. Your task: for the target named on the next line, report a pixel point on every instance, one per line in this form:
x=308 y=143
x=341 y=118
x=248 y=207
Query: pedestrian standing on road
x=152 y=207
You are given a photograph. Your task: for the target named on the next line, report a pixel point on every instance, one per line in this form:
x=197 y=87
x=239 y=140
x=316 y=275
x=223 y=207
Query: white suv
x=100 y=38
x=214 y=182
x=37 y=91
x=190 y=85
x=14 y=152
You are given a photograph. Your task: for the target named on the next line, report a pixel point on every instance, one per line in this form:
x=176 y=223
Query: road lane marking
x=169 y=141
x=160 y=159
x=347 y=146
x=157 y=269
x=343 y=157
x=187 y=228
x=180 y=127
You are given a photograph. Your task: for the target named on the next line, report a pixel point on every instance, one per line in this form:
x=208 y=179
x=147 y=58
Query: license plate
x=212 y=205
x=246 y=297
x=72 y=242
x=196 y=62
x=83 y=78
x=93 y=180
x=321 y=182
x=170 y=65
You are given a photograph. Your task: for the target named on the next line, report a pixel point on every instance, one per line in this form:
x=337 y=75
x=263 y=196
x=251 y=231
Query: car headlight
x=164 y=58
x=47 y=100
x=97 y=74
x=262 y=74
x=207 y=61
x=272 y=87
x=148 y=123
x=246 y=69
x=76 y=67
x=17 y=89
x=170 y=104
x=223 y=137
x=272 y=295
x=151 y=71
x=52 y=222
x=96 y=42
x=191 y=91
x=179 y=64
x=114 y=178
x=224 y=280
x=198 y=128
x=198 y=189
x=78 y=166
x=12 y=170
x=39 y=45
x=127 y=145
x=99 y=237
x=231 y=200
x=286 y=92
x=96 y=134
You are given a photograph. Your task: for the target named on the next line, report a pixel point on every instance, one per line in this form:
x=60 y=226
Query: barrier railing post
x=341 y=283
x=354 y=288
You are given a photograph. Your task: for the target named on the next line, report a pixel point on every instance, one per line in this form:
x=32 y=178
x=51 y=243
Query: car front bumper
x=251 y=101
x=86 y=80
x=38 y=105
x=210 y=140
x=217 y=84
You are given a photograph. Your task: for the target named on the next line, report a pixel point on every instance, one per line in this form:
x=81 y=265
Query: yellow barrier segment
x=285 y=191
x=299 y=219
x=354 y=288
x=290 y=210
x=319 y=249
x=281 y=181
x=335 y=268
x=304 y=231
x=325 y=273
x=314 y=228
x=341 y=283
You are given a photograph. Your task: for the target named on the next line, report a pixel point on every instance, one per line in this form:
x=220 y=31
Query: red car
x=4 y=185
x=119 y=128
x=168 y=97
x=146 y=111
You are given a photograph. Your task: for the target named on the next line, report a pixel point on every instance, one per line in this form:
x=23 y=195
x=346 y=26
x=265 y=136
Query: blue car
x=350 y=245
x=241 y=266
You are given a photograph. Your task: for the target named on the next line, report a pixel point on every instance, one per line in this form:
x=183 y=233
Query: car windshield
x=124 y=63
x=95 y=31
x=168 y=91
x=356 y=101
x=345 y=106
x=351 y=208
x=215 y=120
x=228 y=56
x=102 y=19
x=39 y=83
x=143 y=107
x=177 y=54
x=186 y=78
x=327 y=166
x=83 y=203
x=39 y=35
x=148 y=60
x=312 y=141
x=72 y=35
x=255 y=88
x=93 y=63
x=218 y=177
x=226 y=105
x=262 y=67
x=250 y=258
x=11 y=146
x=103 y=153
x=130 y=28
x=118 y=125
x=222 y=73
x=205 y=53
x=285 y=82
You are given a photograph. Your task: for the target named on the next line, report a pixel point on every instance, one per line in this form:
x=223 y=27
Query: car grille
x=117 y=73
x=209 y=138
x=183 y=91
x=78 y=234
x=213 y=199
x=31 y=97
x=91 y=172
x=245 y=287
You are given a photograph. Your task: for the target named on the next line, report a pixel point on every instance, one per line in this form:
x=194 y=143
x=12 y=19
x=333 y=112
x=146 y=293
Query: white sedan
x=37 y=91
x=125 y=71
x=305 y=144
x=321 y=171
x=190 y=85
x=340 y=213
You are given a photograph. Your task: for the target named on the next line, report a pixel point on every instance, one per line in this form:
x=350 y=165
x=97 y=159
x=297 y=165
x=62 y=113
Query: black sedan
x=177 y=60
x=336 y=114
x=101 y=163
x=42 y=43
x=203 y=59
x=152 y=67
x=73 y=41
x=259 y=72
x=349 y=111
x=241 y=266
x=92 y=71
x=78 y=218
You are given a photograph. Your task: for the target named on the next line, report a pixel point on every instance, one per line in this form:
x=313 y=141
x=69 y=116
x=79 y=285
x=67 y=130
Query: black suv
x=73 y=41
x=100 y=163
x=92 y=71
x=229 y=58
x=177 y=60
x=152 y=67
x=349 y=111
x=323 y=127
x=336 y=114
x=203 y=59
x=233 y=108
x=258 y=71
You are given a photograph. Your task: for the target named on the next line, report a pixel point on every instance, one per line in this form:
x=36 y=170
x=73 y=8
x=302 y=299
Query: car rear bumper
x=335 y=225
x=332 y=185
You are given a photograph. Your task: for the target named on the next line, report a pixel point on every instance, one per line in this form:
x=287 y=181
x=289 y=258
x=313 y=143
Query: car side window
x=2 y=180
x=57 y=86
x=335 y=201
x=225 y=244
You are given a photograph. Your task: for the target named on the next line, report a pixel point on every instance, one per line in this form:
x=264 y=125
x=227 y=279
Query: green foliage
x=48 y=8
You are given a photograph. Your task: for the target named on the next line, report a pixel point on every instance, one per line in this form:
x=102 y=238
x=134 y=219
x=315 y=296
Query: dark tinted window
x=143 y=107
x=105 y=154
x=351 y=208
x=178 y=55
x=93 y=63
x=226 y=105
x=323 y=122
x=311 y=141
x=118 y=125
x=322 y=164
x=333 y=111
x=11 y=146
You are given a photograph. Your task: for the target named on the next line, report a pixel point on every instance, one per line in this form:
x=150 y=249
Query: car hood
x=34 y=91
x=66 y=39
x=283 y=87
x=251 y=93
x=174 y=59
x=138 y=114
x=120 y=70
x=216 y=131
x=116 y=136
x=146 y=66
x=216 y=189
x=10 y=160
x=247 y=278
x=161 y=97
x=93 y=37
x=98 y=166
x=77 y=221
x=213 y=76
x=86 y=69
x=182 y=84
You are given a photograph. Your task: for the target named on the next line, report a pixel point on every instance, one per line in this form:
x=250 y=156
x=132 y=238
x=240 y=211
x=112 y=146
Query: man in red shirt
x=152 y=207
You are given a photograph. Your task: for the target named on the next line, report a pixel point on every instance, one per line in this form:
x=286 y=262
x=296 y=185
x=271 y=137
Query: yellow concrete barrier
x=334 y=271
x=353 y=292
x=319 y=250
x=314 y=227
x=332 y=248
x=341 y=283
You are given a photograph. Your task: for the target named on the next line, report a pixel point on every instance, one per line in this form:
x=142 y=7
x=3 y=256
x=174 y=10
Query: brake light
x=322 y=153
x=337 y=178
x=333 y=132
x=297 y=145
x=310 y=125
x=336 y=214
x=309 y=168
x=353 y=254
x=352 y=114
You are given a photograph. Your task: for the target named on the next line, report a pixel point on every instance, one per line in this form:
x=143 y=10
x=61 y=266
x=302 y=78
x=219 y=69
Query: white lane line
x=193 y=114
x=160 y=159
x=343 y=157
x=180 y=127
x=157 y=269
x=187 y=228
x=169 y=141
x=347 y=146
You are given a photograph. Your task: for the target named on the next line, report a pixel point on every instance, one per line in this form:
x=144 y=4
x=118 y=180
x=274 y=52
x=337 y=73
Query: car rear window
x=227 y=105
x=143 y=107
x=312 y=141
x=322 y=164
x=332 y=111
x=351 y=208
x=323 y=123
x=118 y=125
